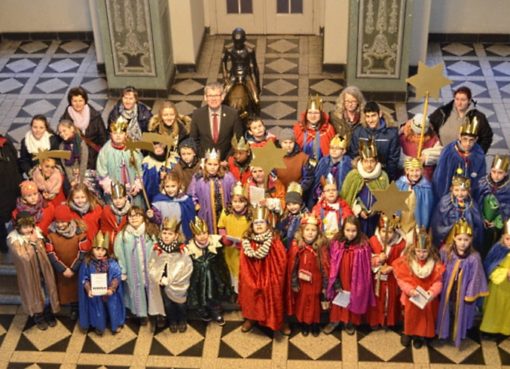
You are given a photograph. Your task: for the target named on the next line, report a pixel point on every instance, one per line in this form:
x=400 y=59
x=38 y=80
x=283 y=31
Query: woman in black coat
x=9 y=186
x=40 y=137
x=88 y=121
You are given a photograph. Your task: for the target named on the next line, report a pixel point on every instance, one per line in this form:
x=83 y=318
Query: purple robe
x=463 y=283
x=200 y=191
x=362 y=293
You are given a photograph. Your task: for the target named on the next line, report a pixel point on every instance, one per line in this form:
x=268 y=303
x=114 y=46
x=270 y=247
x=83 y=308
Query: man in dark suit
x=214 y=125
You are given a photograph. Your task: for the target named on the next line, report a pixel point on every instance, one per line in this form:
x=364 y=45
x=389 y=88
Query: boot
x=40 y=322
x=50 y=317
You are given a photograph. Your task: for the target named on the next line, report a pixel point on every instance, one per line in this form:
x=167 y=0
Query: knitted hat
x=63 y=213
x=189 y=143
x=286 y=134
x=417 y=121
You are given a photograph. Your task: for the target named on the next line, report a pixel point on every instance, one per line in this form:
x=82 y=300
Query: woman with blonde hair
x=169 y=122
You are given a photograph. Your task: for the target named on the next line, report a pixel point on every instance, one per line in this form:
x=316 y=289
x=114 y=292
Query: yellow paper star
x=156 y=137
x=268 y=157
x=391 y=200
x=139 y=145
x=429 y=80
x=54 y=154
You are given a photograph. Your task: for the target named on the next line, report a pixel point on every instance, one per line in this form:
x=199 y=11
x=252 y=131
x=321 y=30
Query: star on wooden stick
x=139 y=145
x=391 y=200
x=54 y=154
x=268 y=157
x=429 y=80
x=156 y=137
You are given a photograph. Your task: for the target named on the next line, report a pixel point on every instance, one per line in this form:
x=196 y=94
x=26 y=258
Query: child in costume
x=133 y=246
x=420 y=203
x=465 y=154
x=155 y=165
x=115 y=163
x=233 y=223
x=262 y=269
x=36 y=280
x=171 y=202
x=211 y=189
x=493 y=199
x=239 y=161
x=387 y=245
x=66 y=246
x=294 y=211
x=188 y=163
x=453 y=206
x=170 y=272
x=32 y=202
x=349 y=275
x=85 y=206
x=97 y=309
x=464 y=283
x=419 y=267
x=256 y=133
x=497 y=266
x=114 y=215
x=331 y=208
x=336 y=163
x=307 y=275
x=298 y=166
x=49 y=179
x=410 y=135
x=210 y=281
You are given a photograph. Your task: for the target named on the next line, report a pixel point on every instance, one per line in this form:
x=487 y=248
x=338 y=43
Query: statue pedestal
x=378 y=51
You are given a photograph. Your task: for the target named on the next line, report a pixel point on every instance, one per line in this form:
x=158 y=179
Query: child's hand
x=382 y=257
x=109 y=292
x=363 y=214
x=68 y=273
x=386 y=269
x=150 y=213
x=413 y=293
x=90 y=294
x=123 y=277
x=164 y=281
x=325 y=305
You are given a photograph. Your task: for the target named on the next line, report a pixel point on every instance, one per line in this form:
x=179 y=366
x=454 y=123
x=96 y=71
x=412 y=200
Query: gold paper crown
x=328 y=180
x=368 y=149
x=310 y=219
x=240 y=144
x=171 y=224
x=506 y=228
x=212 y=154
x=295 y=187
x=389 y=223
x=102 y=240
x=462 y=227
x=260 y=213
x=412 y=163
x=470 y=127
x=120 y=125
x=118 y=190
x=238 y=189
x=198 y=226
x=459 y=180
x=422 y=238
x=314 y=103
x=339 y=141
x=501 y=162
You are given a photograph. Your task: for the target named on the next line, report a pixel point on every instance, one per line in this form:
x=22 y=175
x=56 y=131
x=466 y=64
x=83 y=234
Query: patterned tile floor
x=34 y=79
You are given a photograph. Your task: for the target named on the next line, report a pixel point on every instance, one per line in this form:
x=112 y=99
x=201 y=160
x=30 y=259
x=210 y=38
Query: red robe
x=326 y=133
x=262 y=283
x=388 y=310
x=306 y=303
x=322 y=208
x=237 y=172
x=91 y=219
x=108 y=223
x=44 y=223
x=417 y=322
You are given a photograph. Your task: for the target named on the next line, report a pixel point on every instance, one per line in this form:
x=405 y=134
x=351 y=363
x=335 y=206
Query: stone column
x=379 y=47
x=137 y=47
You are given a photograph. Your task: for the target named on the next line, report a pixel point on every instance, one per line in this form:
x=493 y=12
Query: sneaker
x=330 y=328
x=350 y=329
x=247 y=325
x=316 y=330
x=40 y=322
x=119 y=328
x=50 y=319
x=305 y=329
x=220 y=321
x=182 y=327
x=99 y=332
x=405 y=340
x=418 y=342
x=205 y=317
x=173 y=327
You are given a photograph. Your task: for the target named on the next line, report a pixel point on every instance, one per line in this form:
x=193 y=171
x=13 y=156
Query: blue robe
x=447 y=213
x=473 y=166
x=152 y=169
x=96 y=312
x=288 y=227
x=501 y=191
x=324 y=167
x=181 y=208
x=495 y=256
x=424 y=199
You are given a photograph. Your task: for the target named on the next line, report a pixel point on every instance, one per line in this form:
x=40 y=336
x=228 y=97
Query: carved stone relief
x=131 y=37
x=380 y=38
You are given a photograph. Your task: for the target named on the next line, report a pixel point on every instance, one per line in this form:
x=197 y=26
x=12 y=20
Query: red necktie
x=215 y=128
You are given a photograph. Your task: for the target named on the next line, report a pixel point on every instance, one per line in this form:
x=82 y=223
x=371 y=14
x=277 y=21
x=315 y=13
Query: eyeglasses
x=213 y=96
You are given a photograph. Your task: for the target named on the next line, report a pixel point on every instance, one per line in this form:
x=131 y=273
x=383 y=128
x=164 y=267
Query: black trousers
x=174 y=312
